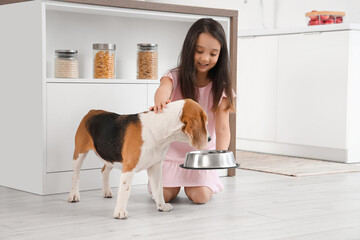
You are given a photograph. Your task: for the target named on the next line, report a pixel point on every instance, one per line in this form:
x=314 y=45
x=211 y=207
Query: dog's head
x=195 y=120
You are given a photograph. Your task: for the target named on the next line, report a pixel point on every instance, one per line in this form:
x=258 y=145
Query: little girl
x=204 y=76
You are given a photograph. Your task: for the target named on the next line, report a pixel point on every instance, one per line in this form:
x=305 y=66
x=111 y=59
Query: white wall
x=248 y=12
x=277 y=13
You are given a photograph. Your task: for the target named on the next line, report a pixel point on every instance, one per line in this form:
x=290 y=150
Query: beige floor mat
x=290 y=166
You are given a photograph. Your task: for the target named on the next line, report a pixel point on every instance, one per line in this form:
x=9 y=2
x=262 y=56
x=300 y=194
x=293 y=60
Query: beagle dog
x=138 y=142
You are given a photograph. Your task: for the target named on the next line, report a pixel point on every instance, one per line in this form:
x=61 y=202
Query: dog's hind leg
x=83 y=144
x=107 y=193
x=74 y=195
x=123 y=195
x=155 y=178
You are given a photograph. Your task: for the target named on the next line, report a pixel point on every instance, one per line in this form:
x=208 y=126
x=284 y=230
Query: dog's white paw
x=107 y=193
x=74 y=196
x=165 y=207
x=120 y=214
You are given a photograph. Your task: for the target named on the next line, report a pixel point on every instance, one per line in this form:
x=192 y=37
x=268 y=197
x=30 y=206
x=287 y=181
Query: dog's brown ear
x=204 y=117
x=195 y=119
x=187 y=128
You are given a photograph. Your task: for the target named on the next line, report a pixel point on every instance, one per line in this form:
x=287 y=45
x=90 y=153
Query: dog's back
x=105 y=133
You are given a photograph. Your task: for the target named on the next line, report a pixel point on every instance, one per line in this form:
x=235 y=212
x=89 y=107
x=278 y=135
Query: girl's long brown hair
x=219 y=74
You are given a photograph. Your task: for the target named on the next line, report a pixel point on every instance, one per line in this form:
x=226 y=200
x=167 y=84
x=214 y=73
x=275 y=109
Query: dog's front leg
x=123 y=195
x=155 y=179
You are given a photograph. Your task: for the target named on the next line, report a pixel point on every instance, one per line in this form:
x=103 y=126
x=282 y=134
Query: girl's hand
x=159 y=106
x=162 y=94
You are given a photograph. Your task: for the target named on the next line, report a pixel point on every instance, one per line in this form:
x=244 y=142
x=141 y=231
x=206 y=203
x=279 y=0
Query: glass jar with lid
x=147 y=61
x=104 y=60
x=66 y=64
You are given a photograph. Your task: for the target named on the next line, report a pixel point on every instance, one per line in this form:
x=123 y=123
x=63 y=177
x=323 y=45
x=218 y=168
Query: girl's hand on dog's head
x=159 y=107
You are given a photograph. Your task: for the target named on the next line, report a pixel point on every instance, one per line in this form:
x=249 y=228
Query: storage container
x=323 y=17
x=66 y=64
x=147 y=61
x=104 y=60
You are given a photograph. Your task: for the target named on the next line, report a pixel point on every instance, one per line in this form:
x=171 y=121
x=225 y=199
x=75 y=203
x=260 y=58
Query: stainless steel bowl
x=209 y=159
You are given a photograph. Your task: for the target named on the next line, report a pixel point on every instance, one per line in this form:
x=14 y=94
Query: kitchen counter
x=306 y=29
x=298 y=92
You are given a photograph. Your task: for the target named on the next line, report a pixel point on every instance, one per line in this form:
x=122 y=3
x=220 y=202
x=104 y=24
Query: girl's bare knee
x=199 y=195
x=170 y=193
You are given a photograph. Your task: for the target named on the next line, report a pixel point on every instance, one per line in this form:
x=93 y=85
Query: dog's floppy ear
x=195 y=120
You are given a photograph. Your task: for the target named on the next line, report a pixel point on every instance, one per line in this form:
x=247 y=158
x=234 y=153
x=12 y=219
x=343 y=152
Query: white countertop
x=306 y=29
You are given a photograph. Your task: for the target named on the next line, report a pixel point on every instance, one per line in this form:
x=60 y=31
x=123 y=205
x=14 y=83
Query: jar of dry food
x=104 y=60
x=147 y=61
x=66 y=64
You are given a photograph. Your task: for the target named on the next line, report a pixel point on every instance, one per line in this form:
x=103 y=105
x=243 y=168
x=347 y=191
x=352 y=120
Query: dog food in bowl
x=209 y=159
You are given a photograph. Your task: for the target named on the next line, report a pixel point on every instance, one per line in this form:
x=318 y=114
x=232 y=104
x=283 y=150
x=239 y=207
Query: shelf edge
x=101 y=81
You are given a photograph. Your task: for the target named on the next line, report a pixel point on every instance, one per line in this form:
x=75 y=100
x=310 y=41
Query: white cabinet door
x=68 y=103
x=256 y=89
x=151 y=93
x=312 y=89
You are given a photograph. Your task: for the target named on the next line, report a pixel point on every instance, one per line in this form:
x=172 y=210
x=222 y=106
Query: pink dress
x=173 y=174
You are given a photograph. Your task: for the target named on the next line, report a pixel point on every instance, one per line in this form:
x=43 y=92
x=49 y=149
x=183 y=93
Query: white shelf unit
x=43 y=112
x=123 y=27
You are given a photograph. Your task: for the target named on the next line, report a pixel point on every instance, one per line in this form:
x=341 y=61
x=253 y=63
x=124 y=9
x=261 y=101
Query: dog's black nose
x=209 y=138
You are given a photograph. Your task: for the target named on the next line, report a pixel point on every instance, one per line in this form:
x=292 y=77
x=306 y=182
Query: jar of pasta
x=104 y=60
x=147 y=61
x=66 y=64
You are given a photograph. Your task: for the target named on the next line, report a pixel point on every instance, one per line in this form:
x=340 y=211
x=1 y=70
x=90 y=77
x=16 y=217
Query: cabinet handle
x=311 y=33
x=246 y=37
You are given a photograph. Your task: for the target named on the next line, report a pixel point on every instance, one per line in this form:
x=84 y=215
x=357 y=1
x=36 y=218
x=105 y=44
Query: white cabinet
x=299 y=98
x=43 y=113
x=312 y=89
x=256 y=99
x=151 y=88
x=68 y=103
